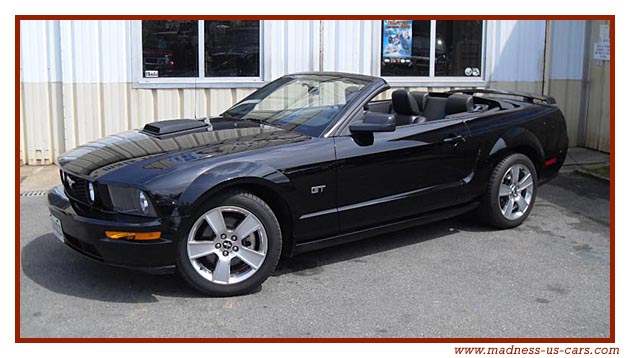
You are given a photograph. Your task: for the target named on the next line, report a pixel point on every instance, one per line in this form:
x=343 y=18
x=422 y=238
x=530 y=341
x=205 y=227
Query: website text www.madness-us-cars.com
x=533 y=350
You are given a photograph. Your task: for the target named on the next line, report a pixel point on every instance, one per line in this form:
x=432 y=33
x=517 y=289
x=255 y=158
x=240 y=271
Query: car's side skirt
x=374 y=231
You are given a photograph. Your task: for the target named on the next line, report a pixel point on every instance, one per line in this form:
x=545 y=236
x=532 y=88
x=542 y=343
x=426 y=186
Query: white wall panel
x=348 y=46
x=85 y=48
x=220 y=100
x=194 y=103
x=115 y=108
x=290 y=46
x=36 y=123
x=94 y=51
x=142 y=108
x=567 y=49
x=88 y=109
x=40 y=55
x=515 y=50
x=274 y=47
x=23 y=145
x=115 y=51
x=168 y=103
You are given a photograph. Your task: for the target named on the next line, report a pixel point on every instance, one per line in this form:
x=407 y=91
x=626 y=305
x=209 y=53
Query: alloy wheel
x=227 y=245
x=515 y=191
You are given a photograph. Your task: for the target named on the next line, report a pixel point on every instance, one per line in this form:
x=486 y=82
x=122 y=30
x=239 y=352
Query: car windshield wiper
x=252 y=119
x=257 y=120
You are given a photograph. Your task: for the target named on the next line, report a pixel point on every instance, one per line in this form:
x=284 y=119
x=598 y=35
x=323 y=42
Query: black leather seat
x=435 y=108
x=406 y=109
x=447 y=107
x=458 y=103
x=421 y=99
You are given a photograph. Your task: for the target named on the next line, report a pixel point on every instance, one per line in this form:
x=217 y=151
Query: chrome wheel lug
x=217 y=245
x=234 y=237
x=225 y=253
x=223 y=236
x=235 y=248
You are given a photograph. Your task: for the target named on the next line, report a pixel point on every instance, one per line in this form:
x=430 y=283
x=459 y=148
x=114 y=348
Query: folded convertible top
x=526 y=96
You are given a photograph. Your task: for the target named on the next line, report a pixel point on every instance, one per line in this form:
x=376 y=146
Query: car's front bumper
x=87 y=236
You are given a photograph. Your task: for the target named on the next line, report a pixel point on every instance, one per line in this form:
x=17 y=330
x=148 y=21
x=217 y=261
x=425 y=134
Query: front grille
x=76 y=188
x=79 y=197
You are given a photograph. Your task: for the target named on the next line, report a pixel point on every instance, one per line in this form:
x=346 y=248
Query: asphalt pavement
x=455 y=278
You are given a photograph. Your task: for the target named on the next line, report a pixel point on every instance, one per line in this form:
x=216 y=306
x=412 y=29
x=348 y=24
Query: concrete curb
x=586 y=173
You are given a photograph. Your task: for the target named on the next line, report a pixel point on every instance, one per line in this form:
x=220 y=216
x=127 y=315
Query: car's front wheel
x=511 y=192
x=231 y=246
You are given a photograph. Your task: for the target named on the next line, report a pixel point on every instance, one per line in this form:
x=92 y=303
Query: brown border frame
x=19 y=339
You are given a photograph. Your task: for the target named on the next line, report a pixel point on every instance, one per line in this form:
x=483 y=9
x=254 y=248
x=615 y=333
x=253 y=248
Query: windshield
x=306 y=104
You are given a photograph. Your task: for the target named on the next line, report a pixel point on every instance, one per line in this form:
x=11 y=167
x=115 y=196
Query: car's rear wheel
x=511 y=192
x=231 y=246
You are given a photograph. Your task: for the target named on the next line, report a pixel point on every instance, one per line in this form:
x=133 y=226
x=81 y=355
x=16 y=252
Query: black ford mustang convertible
x=308 y=161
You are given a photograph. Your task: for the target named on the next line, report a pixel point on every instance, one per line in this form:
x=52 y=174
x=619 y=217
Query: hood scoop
x=175 y=127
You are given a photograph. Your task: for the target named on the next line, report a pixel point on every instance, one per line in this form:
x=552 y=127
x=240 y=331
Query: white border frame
x=139 y=81
x=432 y=80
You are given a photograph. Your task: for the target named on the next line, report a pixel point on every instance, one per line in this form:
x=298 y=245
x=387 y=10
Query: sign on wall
x=397 y=40
x=601 y=49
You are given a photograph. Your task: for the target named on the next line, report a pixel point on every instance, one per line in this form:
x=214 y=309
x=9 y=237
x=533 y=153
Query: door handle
x=454 y=139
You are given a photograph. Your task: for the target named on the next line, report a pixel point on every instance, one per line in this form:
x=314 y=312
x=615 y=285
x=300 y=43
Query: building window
x=169 y=49
x=458 y=48
x=225 y=49
x=423 y=48
x=232 y=48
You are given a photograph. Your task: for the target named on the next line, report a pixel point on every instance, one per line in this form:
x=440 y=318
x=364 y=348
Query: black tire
x=264 y=214
x=489 y=210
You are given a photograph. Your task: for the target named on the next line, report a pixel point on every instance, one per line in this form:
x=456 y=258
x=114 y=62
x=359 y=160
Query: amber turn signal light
x=133 y=235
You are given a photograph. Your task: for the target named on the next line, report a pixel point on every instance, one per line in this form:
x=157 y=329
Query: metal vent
x=33 y=193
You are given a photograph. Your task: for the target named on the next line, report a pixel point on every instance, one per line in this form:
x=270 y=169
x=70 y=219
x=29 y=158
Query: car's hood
x=137 y=149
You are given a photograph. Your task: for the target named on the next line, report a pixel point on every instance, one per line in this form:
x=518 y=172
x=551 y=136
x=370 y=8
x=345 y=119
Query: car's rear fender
x=517 y=140
x=513 y=140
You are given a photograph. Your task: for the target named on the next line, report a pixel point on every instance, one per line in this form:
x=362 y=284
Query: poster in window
x=397 y=40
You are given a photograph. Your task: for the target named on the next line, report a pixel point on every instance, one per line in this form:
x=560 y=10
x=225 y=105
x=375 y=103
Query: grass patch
x=601 y=170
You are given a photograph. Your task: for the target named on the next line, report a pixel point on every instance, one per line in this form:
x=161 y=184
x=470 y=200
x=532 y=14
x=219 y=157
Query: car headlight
x=130 y=201
x=91 y=193
x=144 y=203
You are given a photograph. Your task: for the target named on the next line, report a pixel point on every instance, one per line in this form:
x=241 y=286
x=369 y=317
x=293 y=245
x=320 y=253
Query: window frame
x=431 y=80
x=139 y=81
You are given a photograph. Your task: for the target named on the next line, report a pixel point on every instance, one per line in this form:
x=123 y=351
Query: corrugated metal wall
x=515 y=55
x=349 y=46
x=566 y=57
x=597 y=125
x=77 y=79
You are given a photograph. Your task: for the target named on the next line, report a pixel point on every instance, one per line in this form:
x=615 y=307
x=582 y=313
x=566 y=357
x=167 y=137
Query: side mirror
x=374 y=122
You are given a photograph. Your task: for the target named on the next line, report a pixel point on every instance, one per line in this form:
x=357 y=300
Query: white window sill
x=170 y=83
x=394 y=82
x=435 y=82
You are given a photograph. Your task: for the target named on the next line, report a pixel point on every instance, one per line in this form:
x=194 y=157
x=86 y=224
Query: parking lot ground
x=455 y=278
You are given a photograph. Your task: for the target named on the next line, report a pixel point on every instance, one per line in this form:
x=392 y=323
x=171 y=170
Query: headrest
x=457 y=103
x=404 y=103
x=421 y=99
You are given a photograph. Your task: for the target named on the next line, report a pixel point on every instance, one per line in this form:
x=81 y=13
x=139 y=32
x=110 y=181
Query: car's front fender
x=229 y=175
